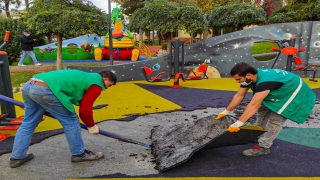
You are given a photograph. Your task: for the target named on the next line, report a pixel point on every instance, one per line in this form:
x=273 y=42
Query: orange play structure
x=122 y=42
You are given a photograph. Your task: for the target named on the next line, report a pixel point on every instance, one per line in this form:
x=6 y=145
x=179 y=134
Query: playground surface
x=135 y=108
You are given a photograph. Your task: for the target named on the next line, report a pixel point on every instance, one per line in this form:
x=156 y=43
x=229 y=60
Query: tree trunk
x=192 y=35
x=169 y=41
x=205 y=33
x=7 y=4
x=221 y=31
x=140 y=35
x=160 y=38
x=49 y=38
x=27 y=5
x=148 y=38
x=59 y=51
x=152 y=38
x=162 y=34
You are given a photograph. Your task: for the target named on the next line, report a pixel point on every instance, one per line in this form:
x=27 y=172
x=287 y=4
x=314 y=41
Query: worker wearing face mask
x=278 y=95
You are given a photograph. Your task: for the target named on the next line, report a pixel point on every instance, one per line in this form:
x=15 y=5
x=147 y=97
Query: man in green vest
x=57 y=92
x=278 y=95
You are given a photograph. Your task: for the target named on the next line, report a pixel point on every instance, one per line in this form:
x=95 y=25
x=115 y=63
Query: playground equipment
x=122 y=43
x=147 y=73
x=7 y=110
x=144 y=49
x=178 y=68
x=80 y=49
x=8 y=120
x=177 y=72
x=287 y=48
x=304 y=66
x=174 y=60
x=200 y=73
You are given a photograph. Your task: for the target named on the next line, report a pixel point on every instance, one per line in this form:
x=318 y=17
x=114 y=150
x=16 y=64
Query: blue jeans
x=39 y=99
x=31 y=54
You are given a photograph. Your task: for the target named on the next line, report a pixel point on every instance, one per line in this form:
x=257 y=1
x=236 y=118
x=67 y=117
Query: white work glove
x=222 y=114
x=94 y=130
x=235 y=127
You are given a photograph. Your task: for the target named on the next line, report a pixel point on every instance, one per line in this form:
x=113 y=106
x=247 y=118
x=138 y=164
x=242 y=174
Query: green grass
x=18 y=78
x=21 y=77
x=262 y=47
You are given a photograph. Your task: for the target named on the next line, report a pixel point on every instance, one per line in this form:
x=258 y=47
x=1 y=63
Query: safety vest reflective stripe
x=291 y=98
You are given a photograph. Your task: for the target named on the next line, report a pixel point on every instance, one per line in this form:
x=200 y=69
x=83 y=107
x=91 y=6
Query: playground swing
x=299 y=64
x=177 y=71
x=202 y=70
x=147 y=73
x=304 y=66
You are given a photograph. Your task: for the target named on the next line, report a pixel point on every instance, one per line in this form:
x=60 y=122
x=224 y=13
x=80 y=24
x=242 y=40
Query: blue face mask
x=245 y=83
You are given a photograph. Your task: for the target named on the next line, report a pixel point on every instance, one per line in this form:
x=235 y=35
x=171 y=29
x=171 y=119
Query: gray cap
x=27 y=31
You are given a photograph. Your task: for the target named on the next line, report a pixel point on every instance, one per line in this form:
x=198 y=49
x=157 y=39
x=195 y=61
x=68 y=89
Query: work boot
x=87 y=156
x=256 y=151
x=18 y=162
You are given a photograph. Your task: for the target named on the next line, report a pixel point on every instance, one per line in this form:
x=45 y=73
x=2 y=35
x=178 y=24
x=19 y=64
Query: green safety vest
x=294 y=100
x=69 y=86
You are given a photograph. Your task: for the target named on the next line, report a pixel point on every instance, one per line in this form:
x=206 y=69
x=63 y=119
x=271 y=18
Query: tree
x=297 y=10
x=13 y=46
x=237 y=15
x=66 y=18
x=27 y=4
x=5 y=4
x=165 y=16
x=192 y=18
x=129 y=6
x=283 y=17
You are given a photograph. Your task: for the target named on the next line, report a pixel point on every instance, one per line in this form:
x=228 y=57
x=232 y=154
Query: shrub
x=13 y=47
x=164 y=46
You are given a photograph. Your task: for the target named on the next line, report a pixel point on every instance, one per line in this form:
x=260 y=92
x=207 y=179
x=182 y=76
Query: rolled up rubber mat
x=174 y=145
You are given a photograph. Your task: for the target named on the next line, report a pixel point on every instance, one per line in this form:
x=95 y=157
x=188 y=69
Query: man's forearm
x=250 y=110
x=236 y=100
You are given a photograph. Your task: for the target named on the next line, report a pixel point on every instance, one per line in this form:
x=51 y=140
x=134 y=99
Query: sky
x=103 y=4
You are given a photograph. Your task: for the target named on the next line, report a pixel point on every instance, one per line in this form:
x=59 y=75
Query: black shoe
x=87 y=156
x=18 y=162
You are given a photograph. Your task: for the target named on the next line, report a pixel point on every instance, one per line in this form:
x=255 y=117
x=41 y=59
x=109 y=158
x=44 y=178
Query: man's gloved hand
x=235 y=127
x=94 y=130
x=222 y=114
